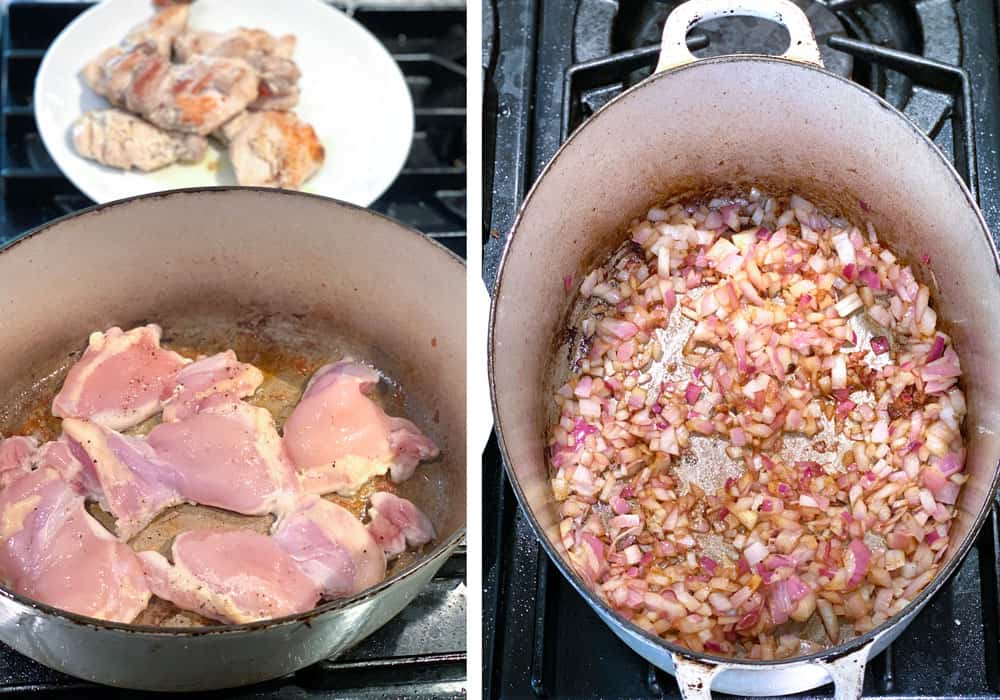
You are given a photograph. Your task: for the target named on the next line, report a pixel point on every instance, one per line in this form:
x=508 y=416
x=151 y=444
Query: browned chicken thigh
x=154 y=36
x=270 y=56
x=275 y=149
x=195 y=97
x=123 y=140
x=238 y=43
x=236 y=86
x=161 y=30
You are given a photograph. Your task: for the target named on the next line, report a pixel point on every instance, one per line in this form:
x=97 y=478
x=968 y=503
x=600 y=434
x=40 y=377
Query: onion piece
x=838 y=373
x=691 y=393
x=870 y=278
x=848 y=305
x=845 y=249
x=859 y=556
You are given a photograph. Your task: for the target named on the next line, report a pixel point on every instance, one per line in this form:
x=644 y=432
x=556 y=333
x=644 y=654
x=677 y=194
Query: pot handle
x=848 y=673
x=694 y=678
x=674 y=52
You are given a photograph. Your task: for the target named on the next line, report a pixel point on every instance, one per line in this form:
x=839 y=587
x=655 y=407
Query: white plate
x=353 y=94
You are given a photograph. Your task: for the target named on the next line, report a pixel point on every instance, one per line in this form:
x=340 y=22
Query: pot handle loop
x=694 y=678
x=674 y=52
x=848 y=673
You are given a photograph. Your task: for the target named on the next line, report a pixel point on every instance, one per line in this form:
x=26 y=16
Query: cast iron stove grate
x=550 y=69
x=420 y=653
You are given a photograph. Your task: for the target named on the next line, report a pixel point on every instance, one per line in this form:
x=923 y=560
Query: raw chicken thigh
x=203 y=380
x=52 y=550
x=120 y=380
x=395 y=523
x=81 y=475
x=338 y=438
x=228 y=456
x=211 y=448
x=231 y=576
x=131 y=477
x=331 y=546
x=17 y=456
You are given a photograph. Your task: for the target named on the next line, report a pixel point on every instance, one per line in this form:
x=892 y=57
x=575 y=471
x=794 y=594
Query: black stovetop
x=421 y=652
x=550 y=65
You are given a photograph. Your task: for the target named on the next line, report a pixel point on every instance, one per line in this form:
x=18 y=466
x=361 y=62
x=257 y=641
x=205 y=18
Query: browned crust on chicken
x=275 y=149
x=269 y=56
x=196 y=97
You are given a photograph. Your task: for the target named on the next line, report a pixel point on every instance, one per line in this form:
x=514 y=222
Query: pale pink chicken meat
x=230 y=575
x=120 y=380
x=17 y=457
x=410 y=446
x=228 y=455
x=395 y=522
x=53 y=551
x=131 y=477
x=338 y=438
x=219 y=375
x=60 y=455
x=331 y=547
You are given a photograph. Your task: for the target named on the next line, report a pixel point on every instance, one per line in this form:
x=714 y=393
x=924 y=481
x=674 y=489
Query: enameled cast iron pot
x=204 y=261
x=710 y=126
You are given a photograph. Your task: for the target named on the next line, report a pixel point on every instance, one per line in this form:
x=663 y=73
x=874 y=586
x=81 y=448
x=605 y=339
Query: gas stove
x=548 y=67
x=421 y=652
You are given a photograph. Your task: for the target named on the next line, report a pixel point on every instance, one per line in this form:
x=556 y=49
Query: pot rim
x=443 y=548
x=852 y=645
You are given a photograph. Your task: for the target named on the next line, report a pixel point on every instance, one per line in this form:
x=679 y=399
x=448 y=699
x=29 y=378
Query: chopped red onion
x=691 y=393
x=861 y=556
x=773 y=356
x=870 y=278
x=880 y=344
